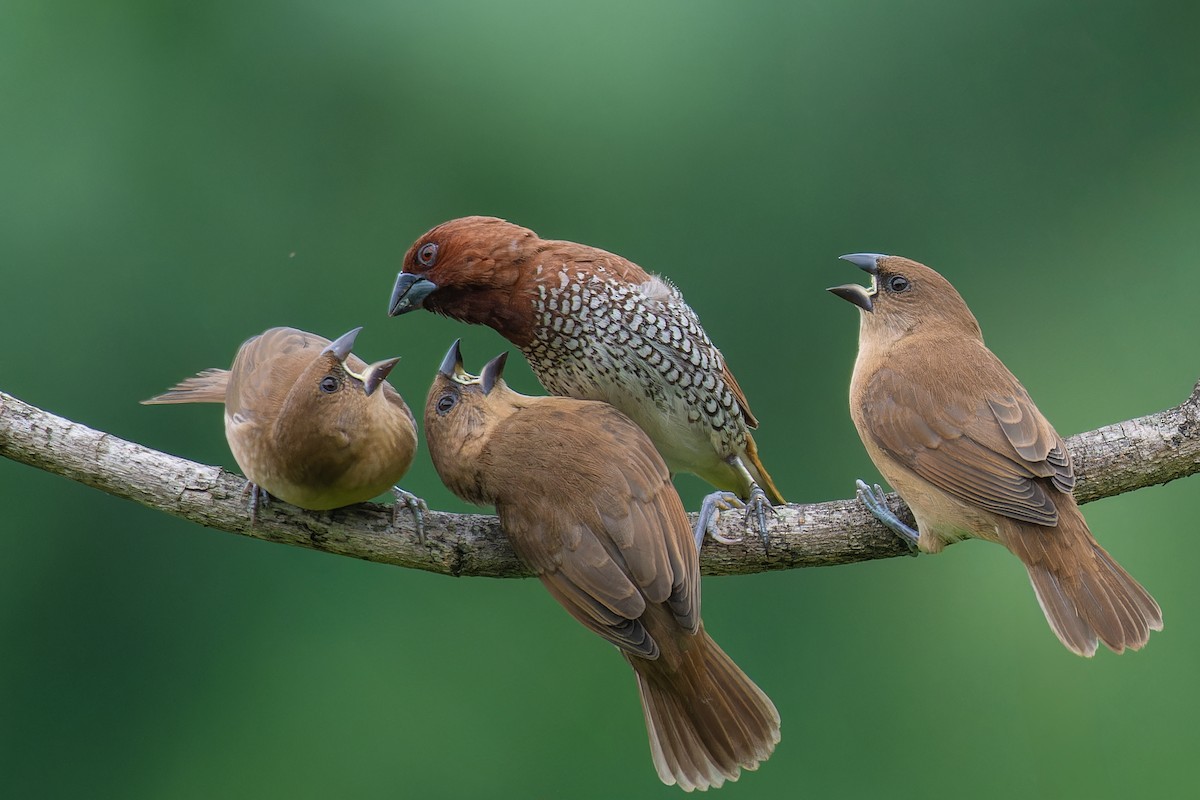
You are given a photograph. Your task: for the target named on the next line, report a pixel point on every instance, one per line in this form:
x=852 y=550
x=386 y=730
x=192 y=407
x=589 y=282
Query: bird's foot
x=758 y=507
x=258 y=499
x=710 y=512
x=410 y=502
x=875 y=499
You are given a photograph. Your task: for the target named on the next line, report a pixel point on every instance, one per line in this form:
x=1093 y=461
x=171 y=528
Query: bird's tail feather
x=707 y=721
x=759 y=472
x=1086 y=596
x=207 y=387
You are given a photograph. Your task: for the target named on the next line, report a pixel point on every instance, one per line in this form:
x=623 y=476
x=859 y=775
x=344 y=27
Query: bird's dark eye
x=427 y=255
x=330 y=384
x=898 y=283
x=446 y=402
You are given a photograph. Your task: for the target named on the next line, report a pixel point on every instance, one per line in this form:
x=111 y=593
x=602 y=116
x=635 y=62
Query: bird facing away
x=309 y=422
x=587 y=504
x=955 y=433
x=595 y=326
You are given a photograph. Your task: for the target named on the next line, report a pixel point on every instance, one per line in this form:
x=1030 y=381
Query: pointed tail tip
x=208 y=386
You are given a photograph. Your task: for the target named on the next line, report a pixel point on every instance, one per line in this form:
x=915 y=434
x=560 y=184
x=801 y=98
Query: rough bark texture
x=1111 y=460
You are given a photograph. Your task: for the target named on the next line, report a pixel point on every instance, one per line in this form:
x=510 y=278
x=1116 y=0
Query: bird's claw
x=710 y=512
x=258 y=498
x=758 y=507
x=875 y=499
x=406 y=500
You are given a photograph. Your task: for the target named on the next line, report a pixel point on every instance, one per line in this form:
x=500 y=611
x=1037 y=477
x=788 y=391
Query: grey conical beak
x=452 y=363
x=341 y=347
x=492 y=372
x=377 y=373
x=409 y=293
x=869 y=262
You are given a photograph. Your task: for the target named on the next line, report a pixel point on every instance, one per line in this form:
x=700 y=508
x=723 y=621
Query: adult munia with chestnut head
x=309 y=422
x=588 y=505
x=955 y=433
x=595 y=326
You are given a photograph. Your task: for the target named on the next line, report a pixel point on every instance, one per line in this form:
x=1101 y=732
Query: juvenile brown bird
x=309 y=422
x=588 y=504
x=958 y=437
x=595 y=326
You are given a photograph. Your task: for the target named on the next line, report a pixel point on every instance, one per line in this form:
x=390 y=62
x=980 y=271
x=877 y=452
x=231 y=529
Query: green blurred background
x=176 y=177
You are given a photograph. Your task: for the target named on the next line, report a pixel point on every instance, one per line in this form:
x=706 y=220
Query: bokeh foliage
x=179 y=176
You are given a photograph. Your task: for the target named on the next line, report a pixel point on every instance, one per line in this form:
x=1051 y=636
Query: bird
x=596 y=326
x=309 y=422
x=587 y=504
x=961 y=441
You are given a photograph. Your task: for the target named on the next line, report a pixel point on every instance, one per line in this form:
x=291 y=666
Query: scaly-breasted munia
x=595 y=326
x=587 y=503
x=309 y=422
x=955 y=433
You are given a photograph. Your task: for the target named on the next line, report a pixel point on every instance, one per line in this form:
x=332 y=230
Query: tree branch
x=1114 y=459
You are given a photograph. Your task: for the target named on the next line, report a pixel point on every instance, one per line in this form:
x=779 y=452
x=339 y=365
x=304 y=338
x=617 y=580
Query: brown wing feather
x=759 y=472
x=1032 y=436
x=598 y=519
x=984 y=442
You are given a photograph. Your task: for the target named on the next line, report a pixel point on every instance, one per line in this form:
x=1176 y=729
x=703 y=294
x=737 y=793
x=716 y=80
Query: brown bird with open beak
x=309 y=422
x=595 y=326
x=588 y=505
x=958 y=437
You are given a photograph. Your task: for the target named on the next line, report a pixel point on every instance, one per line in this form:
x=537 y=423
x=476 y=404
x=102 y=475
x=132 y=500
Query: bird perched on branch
x=959 y=438
x=595 y=326
x=587 y=504
x=309 y=422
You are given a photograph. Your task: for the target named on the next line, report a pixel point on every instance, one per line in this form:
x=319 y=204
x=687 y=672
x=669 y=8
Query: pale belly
x=941 y=518
x=332 y=483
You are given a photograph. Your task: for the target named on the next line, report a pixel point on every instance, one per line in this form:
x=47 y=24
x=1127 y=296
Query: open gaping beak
x=861 y=296
x=377 y=373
